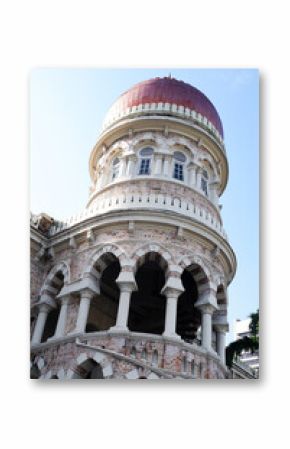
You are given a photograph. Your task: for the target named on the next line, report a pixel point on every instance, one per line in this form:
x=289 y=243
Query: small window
x=144 y=167
x=115 y=168
x=145 y=160
x=178 y=171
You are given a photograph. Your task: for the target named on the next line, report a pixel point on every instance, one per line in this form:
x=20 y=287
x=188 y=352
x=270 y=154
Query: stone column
x=206 y=326
x=124 y=306
x=60 y=327
x=171 y=314
x=172 y=289
x=84 y=308
x=44 y=310
x=221 y=327
x=221 y=339
x=127 y=285
x=207 y=305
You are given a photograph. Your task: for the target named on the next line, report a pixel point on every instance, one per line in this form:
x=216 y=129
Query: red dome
x=172 y=91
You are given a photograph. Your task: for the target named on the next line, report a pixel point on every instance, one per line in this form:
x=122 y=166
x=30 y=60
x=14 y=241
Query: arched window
x=178 y=169
x=145 y=161
x=204 y=182
x=115 y=168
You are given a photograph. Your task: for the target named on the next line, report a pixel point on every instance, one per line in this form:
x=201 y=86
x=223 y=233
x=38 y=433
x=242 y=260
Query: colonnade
x=207 y=304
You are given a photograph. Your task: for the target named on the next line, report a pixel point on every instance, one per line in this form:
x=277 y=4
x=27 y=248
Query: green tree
x=250 y=343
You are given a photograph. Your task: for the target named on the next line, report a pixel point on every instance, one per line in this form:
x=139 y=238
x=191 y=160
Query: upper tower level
x=163 y=131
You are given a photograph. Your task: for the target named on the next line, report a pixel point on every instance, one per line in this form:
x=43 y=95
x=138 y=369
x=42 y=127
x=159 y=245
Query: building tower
x=136 y=285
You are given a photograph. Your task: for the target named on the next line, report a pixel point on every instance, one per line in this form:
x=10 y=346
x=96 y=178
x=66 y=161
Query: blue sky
x=67 y=107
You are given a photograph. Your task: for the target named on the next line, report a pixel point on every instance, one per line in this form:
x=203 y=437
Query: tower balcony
x=158 y=196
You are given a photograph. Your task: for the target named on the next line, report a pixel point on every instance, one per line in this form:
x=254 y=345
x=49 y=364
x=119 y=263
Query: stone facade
x=155 y=219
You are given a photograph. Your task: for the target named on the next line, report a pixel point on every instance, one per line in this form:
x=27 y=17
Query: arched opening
x=115 y=168
x=147 y=306
x=188 y=316
x=144 y=355
x=95 y=371
x=104 y=307
x=133 y=352
x=179 y=163
x=34 y=371
x=145 y=161
x=55 y=286
x=155 y=358
x=89 y=370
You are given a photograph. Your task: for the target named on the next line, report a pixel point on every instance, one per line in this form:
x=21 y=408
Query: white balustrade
x=143 y=200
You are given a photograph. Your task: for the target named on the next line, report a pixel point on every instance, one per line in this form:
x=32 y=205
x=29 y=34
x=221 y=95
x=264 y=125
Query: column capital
x=172 y=292
x=48 y=300
x=127 y=286
x=88 y=282
x=223 y=328
x=64 y=299
x=87 y=293
x=207 y=303
x=126 y=281
x=173 y=286
x=44 y=307
x=206 y=308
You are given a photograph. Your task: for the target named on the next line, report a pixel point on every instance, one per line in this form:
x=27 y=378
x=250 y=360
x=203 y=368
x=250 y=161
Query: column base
x=55 y=337
x=118 y=330
x=211 y=351
x=174 y=337
x=75 y=333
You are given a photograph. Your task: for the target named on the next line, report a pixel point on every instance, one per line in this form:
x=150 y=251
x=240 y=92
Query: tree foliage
x=250 y=343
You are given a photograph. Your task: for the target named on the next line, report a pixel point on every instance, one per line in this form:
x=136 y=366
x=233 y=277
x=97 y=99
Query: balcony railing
x=135 y=201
